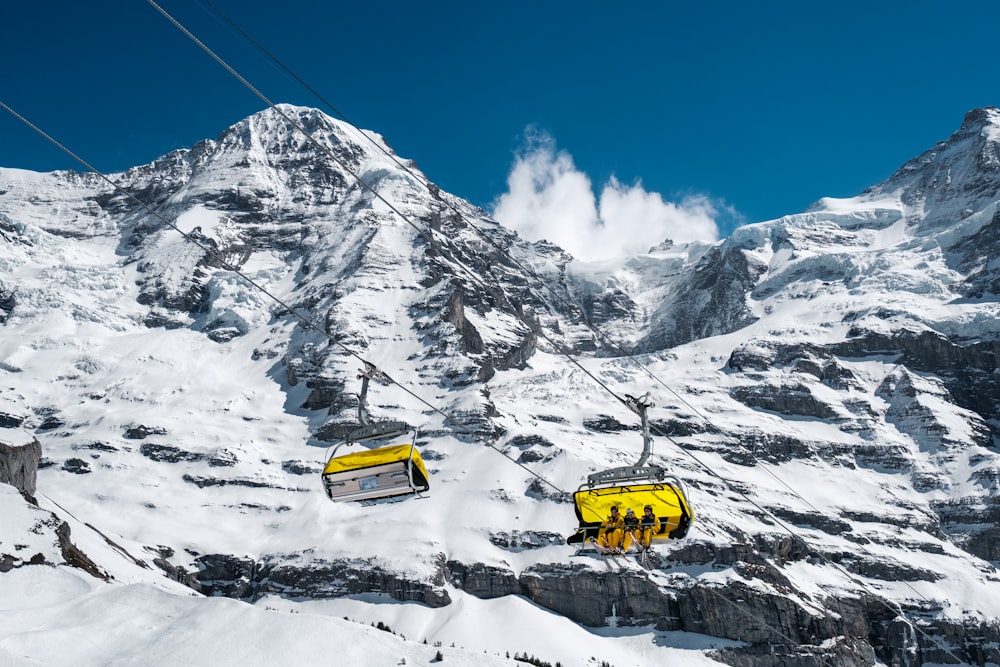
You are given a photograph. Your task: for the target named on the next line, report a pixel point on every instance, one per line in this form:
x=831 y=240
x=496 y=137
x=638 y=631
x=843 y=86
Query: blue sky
x=749 y=111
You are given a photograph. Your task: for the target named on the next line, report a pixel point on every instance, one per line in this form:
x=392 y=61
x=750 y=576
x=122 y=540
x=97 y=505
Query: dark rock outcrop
x=247 y=579
x=793 y=399
x=19 y=466
x=711 y=300
x=483 y=581
x=967 y=368
x=75 y=557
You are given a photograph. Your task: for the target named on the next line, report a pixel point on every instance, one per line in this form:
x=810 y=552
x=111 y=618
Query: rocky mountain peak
x=978 y=120
x=955 y=178
x=286 y=129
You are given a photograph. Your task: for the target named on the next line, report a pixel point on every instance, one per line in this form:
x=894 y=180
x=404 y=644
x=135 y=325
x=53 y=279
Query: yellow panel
x=374 y=457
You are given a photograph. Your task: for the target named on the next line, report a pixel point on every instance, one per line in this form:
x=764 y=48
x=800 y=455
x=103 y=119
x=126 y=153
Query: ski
x=618 y=560
x=610 y=556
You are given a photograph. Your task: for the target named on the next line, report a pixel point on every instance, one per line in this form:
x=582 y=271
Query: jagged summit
x=978 y=119
x=834 y=369
x=281 y=131
x=288 y=136
x=955 y=178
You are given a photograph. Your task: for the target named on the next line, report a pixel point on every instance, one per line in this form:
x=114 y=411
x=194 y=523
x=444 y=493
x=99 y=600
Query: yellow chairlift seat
x=633 y=487
x=667 y=496
x=376 y=473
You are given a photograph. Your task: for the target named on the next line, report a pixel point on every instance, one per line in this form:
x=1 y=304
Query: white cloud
x=549 y=198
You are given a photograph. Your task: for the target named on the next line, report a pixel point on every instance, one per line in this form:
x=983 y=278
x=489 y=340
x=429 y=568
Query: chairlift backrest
x=627 y=474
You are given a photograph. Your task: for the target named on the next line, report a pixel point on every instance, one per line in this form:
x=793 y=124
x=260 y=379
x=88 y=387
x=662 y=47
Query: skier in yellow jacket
x=632 y=531
x=610 y=535
x=649 y=525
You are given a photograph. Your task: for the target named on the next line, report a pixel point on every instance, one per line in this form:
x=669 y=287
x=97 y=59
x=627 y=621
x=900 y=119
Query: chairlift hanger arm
x=366 y=374
x=640 y=406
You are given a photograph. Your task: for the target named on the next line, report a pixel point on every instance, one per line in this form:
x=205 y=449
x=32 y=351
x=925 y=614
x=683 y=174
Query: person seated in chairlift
x=631 y=529
x=610 y=535
x=649 y=525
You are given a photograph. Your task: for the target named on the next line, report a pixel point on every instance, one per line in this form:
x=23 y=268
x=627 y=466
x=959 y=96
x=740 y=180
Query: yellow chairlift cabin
x=390 y=471
x=633 y=487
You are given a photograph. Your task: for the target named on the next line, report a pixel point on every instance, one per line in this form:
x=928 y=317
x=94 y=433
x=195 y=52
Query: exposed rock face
x=46 y=539
x=19 y=466
x=245 y=578
x=838 y=652
x=8 y=293
x=967 y=368
x=710 y=299
x=960 y=174
x=941 y=395
x=591 y=597
x=975 y=255
x=75 y=557
x=483 y=581
x=973 y=522
x=795 y=399
x=777 y=630
x=462 y=274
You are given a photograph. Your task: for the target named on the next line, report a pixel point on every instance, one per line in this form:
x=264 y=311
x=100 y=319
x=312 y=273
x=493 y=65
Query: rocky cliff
x=19 y=466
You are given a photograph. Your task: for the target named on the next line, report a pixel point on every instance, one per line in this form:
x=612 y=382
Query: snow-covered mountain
x=183 y=341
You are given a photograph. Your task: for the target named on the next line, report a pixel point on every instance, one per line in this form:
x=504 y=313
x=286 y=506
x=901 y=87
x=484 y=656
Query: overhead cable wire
x=419 y=178
x=309 y=324
x=426 y=235
x=426 y=183
x=454 y=209
x=294 y=76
